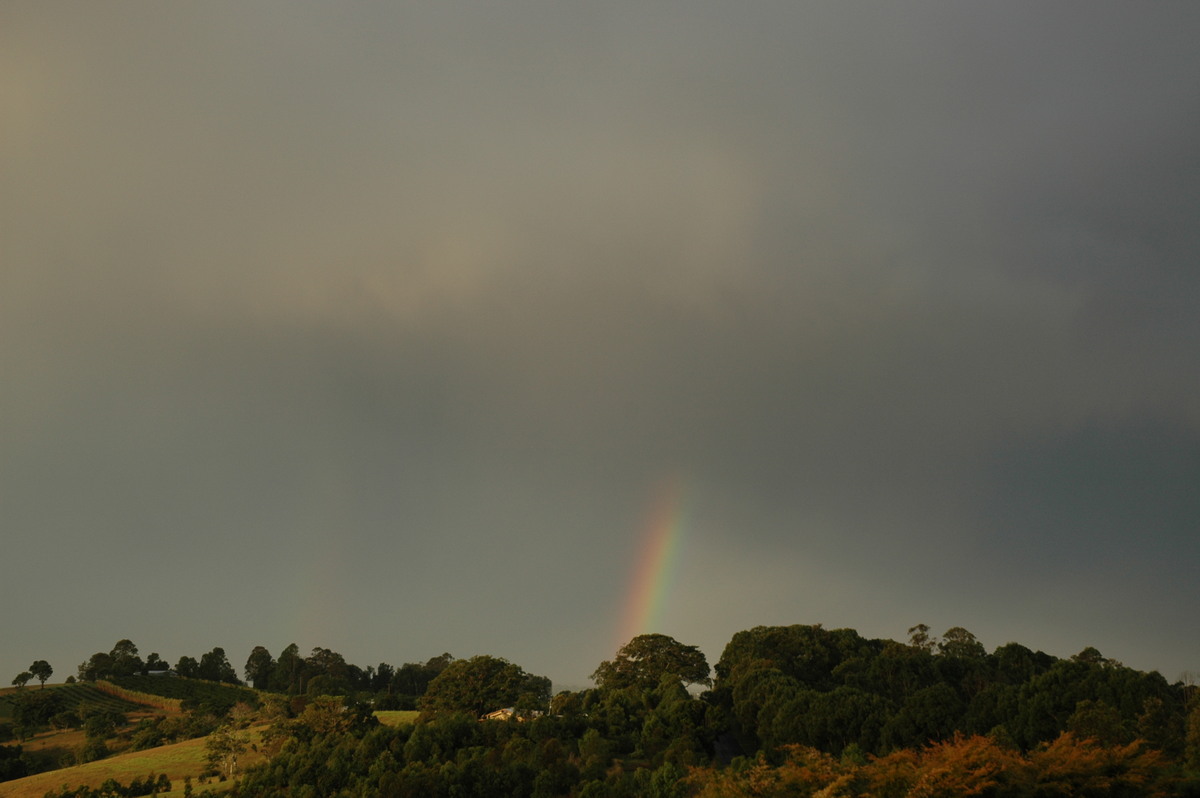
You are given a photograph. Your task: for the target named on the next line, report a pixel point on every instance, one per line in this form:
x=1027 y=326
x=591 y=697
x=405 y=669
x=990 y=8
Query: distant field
x=397 y=717
x=177 y=761
x=74 y=696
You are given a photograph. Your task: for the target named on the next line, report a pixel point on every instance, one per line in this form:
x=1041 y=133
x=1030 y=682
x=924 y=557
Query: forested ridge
x=787 y=710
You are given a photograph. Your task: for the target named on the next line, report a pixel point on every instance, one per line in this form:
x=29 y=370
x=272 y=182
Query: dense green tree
x=330 y=665
x=534 y=696
x=1013 y=663
x=187 y=667
x=1096 y=720
x=808 y=654
x=1192 y=741
x=1090 y=656
x=444 y=736
x=155 y=663
x=929 y=715
x=1048 y=700
x=413 y=678
x=41 y=671
x=125 y=659
x=98 y=666
x=760 y=693
x=993 y=706
x=67 y=719
x=149 y=733
x=898 y=671
x=847 y=717
x=122 y=660
x=102 y=723
x=214 y=666
x=596 y=752
x=288 y=674
x=918 y=637
x=33 y=709
x=958 y=642
x=259 y=665
x=1159 y=726
x=646 y=659
x=22 y=679
x=12 y=764
x=481 y=684
x=676 y=727
x=323 y=685
x=379 y=679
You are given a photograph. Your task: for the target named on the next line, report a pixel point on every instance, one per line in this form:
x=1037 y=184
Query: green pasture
x=178 y=760
x=397 y=717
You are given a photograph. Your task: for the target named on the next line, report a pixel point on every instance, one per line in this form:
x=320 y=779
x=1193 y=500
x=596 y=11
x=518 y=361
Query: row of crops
x=79 y=698
x=75 y=695
x=144 y=688
x=140 y=697
x=129 y=693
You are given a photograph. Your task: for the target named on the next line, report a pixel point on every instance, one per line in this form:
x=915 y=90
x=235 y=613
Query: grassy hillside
x=135 y=698
x=177 y=761
x=397 y=717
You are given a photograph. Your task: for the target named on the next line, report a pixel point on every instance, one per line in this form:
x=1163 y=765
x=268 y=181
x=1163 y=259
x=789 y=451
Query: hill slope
x=177 y=761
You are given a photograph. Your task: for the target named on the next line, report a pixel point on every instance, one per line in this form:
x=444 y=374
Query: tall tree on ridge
x=258 y=667
x=646 y=659
x=41 y=671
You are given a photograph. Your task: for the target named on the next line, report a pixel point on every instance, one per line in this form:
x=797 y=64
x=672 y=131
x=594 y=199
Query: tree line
x=801 y=684
x=123 y=660
x=40 y=670
x=792 y=710
x=322 y=672
x=786 y=710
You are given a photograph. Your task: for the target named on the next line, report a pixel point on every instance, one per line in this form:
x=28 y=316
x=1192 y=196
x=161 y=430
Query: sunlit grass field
x=176 y=760
x=397 y=717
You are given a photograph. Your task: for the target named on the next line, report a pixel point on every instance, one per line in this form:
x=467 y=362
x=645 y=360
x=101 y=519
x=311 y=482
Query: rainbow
x=655 y=562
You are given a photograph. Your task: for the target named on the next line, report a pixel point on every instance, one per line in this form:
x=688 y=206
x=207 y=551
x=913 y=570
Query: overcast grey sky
x=377 y=326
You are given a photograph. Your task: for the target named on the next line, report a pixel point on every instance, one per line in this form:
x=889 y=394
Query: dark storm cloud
x=314 y=311
x=1100 y=495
